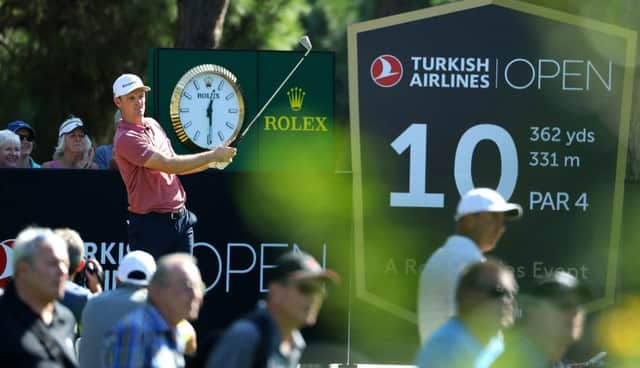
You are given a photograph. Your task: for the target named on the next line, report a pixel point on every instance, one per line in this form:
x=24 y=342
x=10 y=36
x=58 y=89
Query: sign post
x=531 y=102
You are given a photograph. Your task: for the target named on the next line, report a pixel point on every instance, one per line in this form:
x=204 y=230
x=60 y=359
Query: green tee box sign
x=532 y=102
x=294 y=133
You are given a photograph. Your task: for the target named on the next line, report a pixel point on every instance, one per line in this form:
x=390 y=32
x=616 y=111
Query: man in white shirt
x=480 y=224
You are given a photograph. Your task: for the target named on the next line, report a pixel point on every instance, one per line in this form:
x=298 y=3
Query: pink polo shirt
x=148 y=190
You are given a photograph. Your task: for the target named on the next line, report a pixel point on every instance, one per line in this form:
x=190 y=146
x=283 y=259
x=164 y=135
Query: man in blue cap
x=27 y=141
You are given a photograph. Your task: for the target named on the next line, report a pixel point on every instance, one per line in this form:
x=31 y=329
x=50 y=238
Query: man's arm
x=182 y=164
x=196 y=170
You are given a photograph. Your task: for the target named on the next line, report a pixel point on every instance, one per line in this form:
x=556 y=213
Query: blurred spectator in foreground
x=269 y=336
x=27 y=142
x=37 y=330
x=105 y=310
x=104 y=154
x=480 y=220
x=75 y=296
x=148 y=336
x=485 y=300
x=74 y=149
x=552 y=320
x=9 y=149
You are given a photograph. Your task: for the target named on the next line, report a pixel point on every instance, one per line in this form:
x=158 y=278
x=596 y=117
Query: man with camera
x=88 y=272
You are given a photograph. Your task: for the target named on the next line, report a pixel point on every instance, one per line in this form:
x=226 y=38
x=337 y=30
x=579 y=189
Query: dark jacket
x=27 y=341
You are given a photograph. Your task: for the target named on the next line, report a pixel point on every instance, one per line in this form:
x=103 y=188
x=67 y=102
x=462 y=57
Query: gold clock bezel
x=174 y=106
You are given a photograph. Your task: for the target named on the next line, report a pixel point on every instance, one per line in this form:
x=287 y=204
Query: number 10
x=415 y=138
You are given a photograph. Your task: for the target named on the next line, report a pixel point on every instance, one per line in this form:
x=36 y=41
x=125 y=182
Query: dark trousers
x=161 y=233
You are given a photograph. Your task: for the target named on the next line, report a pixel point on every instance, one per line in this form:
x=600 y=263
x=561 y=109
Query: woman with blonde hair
x=74 y=149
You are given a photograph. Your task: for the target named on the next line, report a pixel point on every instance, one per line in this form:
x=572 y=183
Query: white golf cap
x=127 y=83
x=69 y=125
x=486 y=200
x=136 y=268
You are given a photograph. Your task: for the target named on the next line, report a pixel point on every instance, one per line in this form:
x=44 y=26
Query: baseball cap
x=299 y=266
x=559 y=285
x=136 y=268
x=127 y=83
x=19 y=124
x=70 y=124
x=486 y=200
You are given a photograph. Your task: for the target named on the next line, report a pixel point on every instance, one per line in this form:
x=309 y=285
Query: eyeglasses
x=29 y=138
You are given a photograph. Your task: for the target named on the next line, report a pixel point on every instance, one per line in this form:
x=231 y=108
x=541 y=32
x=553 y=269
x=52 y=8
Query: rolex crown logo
x=208 y=82
x=296 y=96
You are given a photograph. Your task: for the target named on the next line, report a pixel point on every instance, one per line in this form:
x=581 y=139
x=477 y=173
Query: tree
x=60 y=57
x=200 y=23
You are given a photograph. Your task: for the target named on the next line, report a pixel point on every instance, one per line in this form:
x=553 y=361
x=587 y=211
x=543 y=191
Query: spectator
x=552 y=320
x=104 y=157
x=147 y=336
x=485 y=299
x=9 y=149
x=74 y=149
x=480 y=223
x=105 y=310
x=27 y=142
x=270 y=335
x=37 y=330
x=75 y=296
x=159 y=222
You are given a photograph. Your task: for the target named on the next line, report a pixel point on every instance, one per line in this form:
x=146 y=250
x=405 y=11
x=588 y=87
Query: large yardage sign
x=532 y=102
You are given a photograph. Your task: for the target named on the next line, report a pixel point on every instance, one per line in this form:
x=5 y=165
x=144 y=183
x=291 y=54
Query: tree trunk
x=200 y=23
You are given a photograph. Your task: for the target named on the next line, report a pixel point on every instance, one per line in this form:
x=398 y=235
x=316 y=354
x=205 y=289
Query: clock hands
x=210 y=116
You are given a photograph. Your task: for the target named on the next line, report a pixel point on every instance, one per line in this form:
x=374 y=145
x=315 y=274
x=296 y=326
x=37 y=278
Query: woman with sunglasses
x=27 y=141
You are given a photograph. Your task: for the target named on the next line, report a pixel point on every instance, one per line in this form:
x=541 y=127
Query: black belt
x=173 y=215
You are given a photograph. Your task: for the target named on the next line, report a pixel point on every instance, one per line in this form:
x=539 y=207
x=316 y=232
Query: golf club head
x=306 y=42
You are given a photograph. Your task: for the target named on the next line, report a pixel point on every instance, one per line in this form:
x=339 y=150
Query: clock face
x=207 y=108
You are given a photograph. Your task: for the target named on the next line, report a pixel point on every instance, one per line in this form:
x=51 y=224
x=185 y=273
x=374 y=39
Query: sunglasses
x=308 y=288
x=566 y=304
x=29 y=138
x=497 y=291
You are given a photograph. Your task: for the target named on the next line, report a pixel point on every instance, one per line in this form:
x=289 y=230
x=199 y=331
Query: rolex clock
x=206 y=107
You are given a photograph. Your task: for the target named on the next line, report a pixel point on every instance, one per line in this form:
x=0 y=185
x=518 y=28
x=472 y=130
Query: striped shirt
x=143 y=339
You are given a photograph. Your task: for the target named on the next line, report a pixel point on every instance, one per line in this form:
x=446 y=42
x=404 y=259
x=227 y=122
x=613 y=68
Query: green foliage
x=257 y=24
x=61 y=57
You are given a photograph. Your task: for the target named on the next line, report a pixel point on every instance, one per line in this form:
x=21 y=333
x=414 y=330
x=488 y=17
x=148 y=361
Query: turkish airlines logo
x=6 y=255
x=386 y=71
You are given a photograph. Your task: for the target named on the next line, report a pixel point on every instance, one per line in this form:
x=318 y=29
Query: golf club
x=306 y=43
